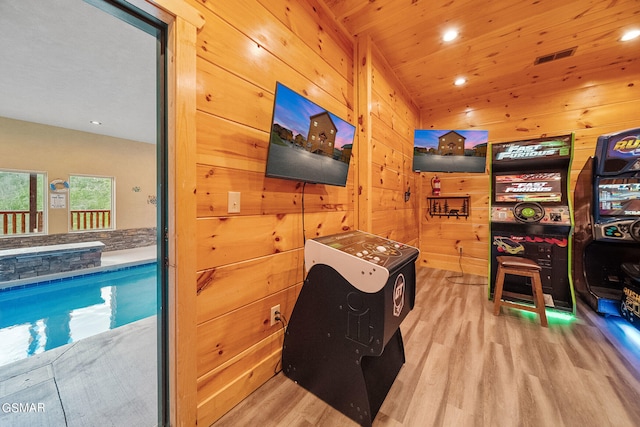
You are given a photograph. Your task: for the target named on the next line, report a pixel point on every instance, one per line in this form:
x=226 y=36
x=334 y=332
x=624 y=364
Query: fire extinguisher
x=435 y=185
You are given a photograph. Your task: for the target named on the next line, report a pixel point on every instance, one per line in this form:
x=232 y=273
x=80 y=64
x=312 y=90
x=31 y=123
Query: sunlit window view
x=90 y=202
x=21 y=202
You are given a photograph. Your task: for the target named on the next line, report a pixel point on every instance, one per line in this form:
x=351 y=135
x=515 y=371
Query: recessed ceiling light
x=450 y=35
x=630 y=35
x=95 y=122
x=460 y=81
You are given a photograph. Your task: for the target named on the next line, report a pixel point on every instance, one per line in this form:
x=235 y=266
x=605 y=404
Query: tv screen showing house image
x=307 y=142
x=450 y=150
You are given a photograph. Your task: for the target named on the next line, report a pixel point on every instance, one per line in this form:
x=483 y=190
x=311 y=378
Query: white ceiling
x=66 y=63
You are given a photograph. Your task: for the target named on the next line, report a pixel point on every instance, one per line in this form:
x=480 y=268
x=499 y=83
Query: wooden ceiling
x=498 y=43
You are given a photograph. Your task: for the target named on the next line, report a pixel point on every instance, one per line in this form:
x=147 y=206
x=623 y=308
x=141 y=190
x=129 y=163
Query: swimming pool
x=40 y=317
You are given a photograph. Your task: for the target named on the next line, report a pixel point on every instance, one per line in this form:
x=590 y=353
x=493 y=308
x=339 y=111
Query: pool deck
x=109 y=379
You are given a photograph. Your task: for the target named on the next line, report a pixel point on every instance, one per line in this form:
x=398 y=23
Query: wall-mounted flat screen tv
x=308 y=143
x=450 y=150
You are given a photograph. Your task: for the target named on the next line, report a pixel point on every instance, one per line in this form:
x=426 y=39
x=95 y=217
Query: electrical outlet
x=275 y=312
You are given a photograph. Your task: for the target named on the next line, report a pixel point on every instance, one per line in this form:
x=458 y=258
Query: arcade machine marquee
x=531 y=216
x=343 y=342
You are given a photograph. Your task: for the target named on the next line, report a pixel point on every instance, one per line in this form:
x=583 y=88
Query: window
x=91 y=203
x=21 y=202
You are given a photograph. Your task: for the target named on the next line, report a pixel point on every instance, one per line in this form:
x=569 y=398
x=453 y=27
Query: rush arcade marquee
x=531 y=216
x=607 y=237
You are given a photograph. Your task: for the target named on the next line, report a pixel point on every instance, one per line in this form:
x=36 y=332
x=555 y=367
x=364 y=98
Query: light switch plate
x=234 y=202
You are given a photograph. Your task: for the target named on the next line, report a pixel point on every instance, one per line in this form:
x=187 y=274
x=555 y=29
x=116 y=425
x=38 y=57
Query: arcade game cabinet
x=531 y=216
x=630 y=304
x=606 y=248
x=343 y=342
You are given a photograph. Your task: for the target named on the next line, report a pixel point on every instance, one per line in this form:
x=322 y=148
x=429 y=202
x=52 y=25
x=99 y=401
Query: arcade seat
x=519 y=266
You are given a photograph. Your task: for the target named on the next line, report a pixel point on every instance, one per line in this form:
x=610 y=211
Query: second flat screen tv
x=307 y=143
x=450 y=150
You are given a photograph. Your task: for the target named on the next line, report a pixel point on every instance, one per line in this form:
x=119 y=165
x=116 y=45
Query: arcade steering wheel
x=528 y=212
x=634 y=230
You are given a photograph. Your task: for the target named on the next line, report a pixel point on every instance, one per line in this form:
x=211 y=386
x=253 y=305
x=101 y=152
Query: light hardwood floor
x=467 y=367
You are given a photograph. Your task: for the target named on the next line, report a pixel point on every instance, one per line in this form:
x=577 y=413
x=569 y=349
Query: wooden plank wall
x=251 y=261
x=605 y=99
x=386 y=121
x=394 y=117
x=442 y=238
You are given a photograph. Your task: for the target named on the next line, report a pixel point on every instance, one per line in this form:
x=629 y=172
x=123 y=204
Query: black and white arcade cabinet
x=343 y=342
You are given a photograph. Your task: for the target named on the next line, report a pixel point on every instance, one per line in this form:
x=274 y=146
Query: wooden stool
x=519 y=266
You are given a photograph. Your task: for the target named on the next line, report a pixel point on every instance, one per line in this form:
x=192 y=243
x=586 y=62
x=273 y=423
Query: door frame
x=178 y=400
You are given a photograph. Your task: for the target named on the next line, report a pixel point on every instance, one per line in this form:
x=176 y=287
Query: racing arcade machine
x=343 y=342
x=606 y=249
x=531 y=216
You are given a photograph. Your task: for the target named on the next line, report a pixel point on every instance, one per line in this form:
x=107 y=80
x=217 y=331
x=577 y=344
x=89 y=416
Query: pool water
x=43 y=316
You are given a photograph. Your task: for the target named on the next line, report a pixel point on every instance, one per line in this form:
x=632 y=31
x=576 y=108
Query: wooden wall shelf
x=455 y=206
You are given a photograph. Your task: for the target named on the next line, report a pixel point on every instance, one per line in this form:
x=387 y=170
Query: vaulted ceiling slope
x=498 y=41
